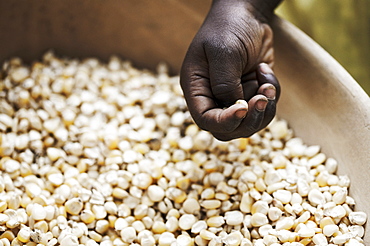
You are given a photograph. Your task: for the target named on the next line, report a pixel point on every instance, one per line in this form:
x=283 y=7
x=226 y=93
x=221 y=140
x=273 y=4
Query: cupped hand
x=230 y=59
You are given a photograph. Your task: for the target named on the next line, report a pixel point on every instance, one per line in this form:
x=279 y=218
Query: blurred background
x=341 y=27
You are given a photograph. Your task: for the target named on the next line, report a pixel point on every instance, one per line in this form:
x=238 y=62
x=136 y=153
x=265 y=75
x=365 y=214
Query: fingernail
x=261 y=104
x=270 y=92
x=265 y=68
x=241 y=113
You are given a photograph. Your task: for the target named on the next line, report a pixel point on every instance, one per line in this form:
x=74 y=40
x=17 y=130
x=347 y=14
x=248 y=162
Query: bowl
x=320 y=100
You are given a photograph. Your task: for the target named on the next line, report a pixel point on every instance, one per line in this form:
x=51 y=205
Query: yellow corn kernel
x=87 y=216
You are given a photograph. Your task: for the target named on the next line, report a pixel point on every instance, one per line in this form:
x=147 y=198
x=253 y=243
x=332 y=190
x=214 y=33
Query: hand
x=229 y=59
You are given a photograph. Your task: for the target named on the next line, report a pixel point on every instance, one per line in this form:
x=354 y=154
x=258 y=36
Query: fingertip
x=238 y=110
x=241 y=113
x=268 y=90
x=261 y=104
x=265 y=75
x=224 y=120
x=257 y=106
x=258 y=103
x=232 y=116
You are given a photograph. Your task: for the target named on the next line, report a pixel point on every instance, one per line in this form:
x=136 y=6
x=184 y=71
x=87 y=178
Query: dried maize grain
x=105 y=153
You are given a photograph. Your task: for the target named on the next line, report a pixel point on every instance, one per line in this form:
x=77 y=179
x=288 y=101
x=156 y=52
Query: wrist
x=265 y=7
x=263 y=10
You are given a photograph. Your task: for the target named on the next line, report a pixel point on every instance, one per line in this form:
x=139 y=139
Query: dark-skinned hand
x=230 y=59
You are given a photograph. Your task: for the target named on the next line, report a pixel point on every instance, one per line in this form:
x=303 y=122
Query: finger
x=269 y=91
x=225 y=71
x=269 y=87
x=256 y=113
x=251 y=124
x=224 y=120
x=264 y=109
x=266 y=75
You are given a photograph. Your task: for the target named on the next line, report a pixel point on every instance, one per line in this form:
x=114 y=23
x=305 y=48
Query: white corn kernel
x=146 y=239
x=96 y=237
x=138 y=225
x=265 y=230
x=317 y=160
x=172 y=224
x=316 y=197
x=357 y=218
x=260 y=185
x=24 y=234
x=260 y=207
x=258 y=219
x=186 y=221
x=215 y=221
x=296 y=199
x=339 y=197
x=246 y=203
x=330 y=230
x=304 y=217
x=184 y=240
x=312 y=150
x=101 y=226
x=111 y=208
x=69 y=240
x=107 y=154
x=38 y=212
x=279 y=129
x=331 y=165
x=128 y=234
x=320 y=239
x=158 y=227
x=353 y=242
x=207 y=235
x=336 y=212
x=305 y=231
x=284 y=223
x=357 y=230
x=99 y=211
x=233 y=239
x=234 y=218
x=270 y=240
x=74 y=206
x=19 y=74
x=41 y=226
x=87 y=216
x=142 y=180
x=155 y=193
x=191 y=206
x=248 y=176
x=274 y=213
x=283 y=195
x=341 y=239
x=166 y=239
x=198 y=226
x=210 y=204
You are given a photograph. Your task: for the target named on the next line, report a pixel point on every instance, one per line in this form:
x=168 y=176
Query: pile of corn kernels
x=97 y=153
